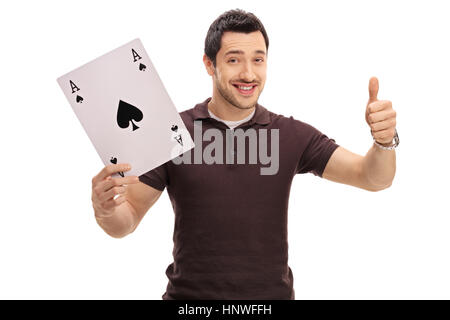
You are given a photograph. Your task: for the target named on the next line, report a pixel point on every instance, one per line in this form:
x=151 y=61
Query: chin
x=248 y=105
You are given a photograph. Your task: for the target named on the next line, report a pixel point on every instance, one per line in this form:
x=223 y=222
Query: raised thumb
x=373 y=89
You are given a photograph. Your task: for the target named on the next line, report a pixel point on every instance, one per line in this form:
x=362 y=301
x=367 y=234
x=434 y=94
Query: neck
x=226 y=111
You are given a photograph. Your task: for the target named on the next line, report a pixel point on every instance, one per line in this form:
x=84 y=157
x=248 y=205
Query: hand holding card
x=125 y=110
x=105 y=189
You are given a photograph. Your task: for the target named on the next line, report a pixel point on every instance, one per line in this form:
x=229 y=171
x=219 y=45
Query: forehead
x=247 y=42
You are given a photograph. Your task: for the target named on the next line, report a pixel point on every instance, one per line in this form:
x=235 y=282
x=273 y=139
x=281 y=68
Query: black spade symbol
x=126 y=113
x=142 y=67
x=174 y=128
x=114 y=160
x=79 y=99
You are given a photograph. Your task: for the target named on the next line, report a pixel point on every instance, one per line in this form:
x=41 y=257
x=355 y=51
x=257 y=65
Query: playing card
x=125 y=109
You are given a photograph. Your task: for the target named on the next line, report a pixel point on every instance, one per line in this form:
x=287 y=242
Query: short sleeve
x=157 y=178
x=317 y=152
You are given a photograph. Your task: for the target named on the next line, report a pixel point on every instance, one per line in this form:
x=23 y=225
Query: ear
x=208 y=65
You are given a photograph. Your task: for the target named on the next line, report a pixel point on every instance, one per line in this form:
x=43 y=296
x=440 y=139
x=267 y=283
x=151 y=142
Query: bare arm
x=119 y=216
x=373 y=172
x=379 y=167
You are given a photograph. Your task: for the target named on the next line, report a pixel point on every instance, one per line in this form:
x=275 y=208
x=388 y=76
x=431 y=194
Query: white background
x=344 y=242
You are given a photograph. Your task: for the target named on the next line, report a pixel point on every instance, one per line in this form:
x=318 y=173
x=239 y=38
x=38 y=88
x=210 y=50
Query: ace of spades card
x=125 y=110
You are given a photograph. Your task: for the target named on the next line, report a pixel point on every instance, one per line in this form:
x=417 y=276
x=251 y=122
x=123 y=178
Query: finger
x=111 y=193
x=381 y=115
x=382 y=125
x=111 y=169
x=114 y=202
x=379 y=105
x=384 y=136
x=373 y=89
x=108 y=184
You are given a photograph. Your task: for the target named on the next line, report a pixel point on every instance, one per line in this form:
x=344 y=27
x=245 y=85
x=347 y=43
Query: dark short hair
x=236 y=20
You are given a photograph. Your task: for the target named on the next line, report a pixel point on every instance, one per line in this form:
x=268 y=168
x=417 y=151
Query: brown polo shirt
x=230 y=236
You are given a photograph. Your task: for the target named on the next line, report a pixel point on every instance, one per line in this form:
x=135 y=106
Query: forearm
x=118 y=224
x=379 y=167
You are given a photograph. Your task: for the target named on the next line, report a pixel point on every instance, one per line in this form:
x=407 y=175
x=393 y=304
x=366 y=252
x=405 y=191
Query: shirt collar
x=261 y=115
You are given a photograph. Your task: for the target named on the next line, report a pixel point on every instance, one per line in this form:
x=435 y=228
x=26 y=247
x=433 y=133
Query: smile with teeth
x=245 y=90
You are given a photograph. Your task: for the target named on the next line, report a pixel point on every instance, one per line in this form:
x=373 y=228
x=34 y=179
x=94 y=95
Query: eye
x=232 y=59
x=261 y=59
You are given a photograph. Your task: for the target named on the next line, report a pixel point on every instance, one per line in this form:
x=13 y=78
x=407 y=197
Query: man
x=230 y=236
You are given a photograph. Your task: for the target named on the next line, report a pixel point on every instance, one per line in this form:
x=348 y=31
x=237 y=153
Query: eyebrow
x=242 y=52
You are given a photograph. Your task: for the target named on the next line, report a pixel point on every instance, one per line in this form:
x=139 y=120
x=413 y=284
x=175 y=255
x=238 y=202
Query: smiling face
x=240 y=72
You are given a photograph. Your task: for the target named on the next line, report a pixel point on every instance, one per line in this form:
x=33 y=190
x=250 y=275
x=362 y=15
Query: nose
x=247 y=73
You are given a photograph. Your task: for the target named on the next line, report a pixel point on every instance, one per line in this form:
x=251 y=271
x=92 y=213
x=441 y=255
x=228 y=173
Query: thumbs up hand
x=380 y=116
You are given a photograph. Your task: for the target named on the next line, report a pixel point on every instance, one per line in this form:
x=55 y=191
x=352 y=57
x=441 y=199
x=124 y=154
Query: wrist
x=114 y=222
x=388 y=146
